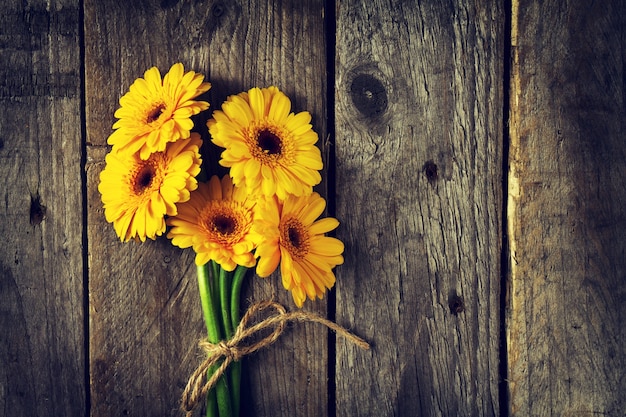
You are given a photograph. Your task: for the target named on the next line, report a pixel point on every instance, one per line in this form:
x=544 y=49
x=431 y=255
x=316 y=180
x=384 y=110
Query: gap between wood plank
x=510 y=16
x=85 y=211
x=330 y=32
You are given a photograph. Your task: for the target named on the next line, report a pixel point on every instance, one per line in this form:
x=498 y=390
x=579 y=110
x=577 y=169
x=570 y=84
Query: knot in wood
x=218 y=9
x=368 y=95
x=168 y=4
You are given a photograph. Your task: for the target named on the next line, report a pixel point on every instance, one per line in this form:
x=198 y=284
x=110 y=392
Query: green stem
x=225 y=279
x=210 y=308
x=212 y=330
x=235 y=295
x=226 y=299
x=215 y=274
x=235 y=305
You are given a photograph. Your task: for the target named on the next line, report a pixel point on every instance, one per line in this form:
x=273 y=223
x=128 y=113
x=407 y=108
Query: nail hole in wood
x=37 y=210
x=456 y=304
x=431 y=171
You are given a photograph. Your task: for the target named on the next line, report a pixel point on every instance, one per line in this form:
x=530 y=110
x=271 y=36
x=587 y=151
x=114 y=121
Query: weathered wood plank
x=567 y=215
x=419 y=191
x=145 y=311
x=42 y=358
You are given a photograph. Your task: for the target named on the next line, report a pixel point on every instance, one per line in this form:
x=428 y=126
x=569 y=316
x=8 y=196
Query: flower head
x=138 y=193
x=216 y=221
x=289 y=234
x=156 y=111
x=269 y=149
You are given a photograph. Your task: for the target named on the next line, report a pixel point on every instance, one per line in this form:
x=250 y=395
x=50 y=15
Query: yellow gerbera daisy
x=138 y=193
x=269 y=149
x=156 y=111
x=289 y=234
x=216 y=222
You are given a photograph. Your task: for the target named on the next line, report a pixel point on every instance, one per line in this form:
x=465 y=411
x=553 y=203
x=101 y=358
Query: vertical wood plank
x=145 y=311
x=42 y=362
x=419 y=191
x=567 y=215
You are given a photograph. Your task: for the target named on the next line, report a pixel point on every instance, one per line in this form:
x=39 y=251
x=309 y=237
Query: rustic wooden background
x=476 y=158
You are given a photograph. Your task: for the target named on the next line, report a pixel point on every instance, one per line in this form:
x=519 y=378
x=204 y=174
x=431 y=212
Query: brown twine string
x=234 y=349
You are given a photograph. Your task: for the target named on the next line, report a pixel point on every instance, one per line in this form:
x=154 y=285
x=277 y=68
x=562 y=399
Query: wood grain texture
x=419 y=148
x=42 y=357
x=567 y=215
x=144 y=306
x=419 y=191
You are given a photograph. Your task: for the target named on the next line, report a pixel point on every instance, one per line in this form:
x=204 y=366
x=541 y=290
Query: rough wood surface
x=419 y=190
x=144 y=306
x=42 y=357
x=567 y=216
x=418 y=122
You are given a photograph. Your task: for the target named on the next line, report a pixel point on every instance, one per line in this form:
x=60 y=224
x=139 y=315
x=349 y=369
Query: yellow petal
x=324 y=226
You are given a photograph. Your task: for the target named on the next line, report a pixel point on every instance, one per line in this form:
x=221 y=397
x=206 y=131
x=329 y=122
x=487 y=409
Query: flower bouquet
x=263 y=214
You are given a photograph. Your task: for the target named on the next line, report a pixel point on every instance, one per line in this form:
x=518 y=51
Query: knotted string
x=234 y=349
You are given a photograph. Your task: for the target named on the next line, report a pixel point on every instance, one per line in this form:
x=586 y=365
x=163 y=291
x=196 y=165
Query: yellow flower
x=216 y=221
x=289 y=234
x=156 y=111
x=268 y=149
x=138 y=193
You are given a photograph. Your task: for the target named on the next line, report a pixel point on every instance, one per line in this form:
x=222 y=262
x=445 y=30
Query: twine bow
x=234 y=349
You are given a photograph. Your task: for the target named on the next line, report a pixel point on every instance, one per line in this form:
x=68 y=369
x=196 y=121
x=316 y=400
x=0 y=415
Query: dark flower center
x=223 y=224
x=155 y=113
x=294 y=237
x=143 y=179
x=269 y=142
